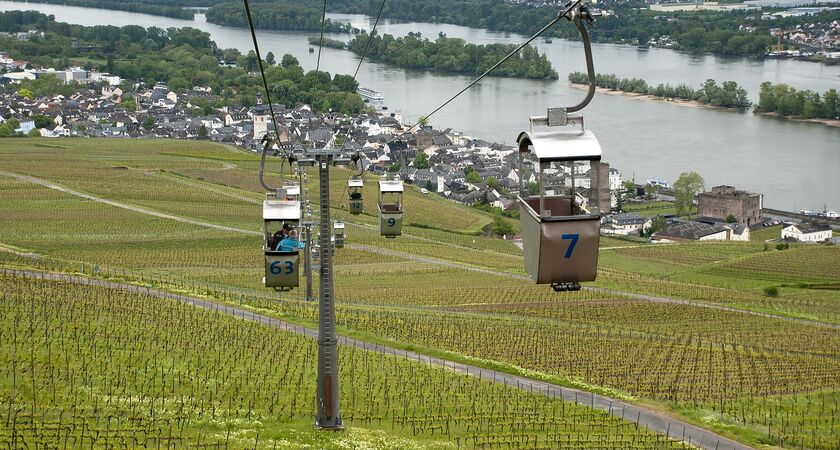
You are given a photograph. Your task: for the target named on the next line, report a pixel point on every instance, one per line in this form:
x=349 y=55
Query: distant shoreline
x=695 y=104
x=828 y=122
x=636 y=95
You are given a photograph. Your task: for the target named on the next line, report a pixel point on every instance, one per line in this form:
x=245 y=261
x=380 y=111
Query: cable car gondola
x=282 y=266
x=355 y=186
x=292 y=191
x=560 y=228
x=338 y=234
x=390 y=208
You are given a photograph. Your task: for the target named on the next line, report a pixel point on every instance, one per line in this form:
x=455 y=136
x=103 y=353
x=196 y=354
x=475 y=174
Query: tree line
x=707 y=31
x=728 y=95
x=787 y=101
x=175 y=12
x=453 y=55
x=275 y=16
x=180 y=57
x=332 y=43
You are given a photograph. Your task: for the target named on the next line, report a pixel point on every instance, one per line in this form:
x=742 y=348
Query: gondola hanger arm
x=559 y=116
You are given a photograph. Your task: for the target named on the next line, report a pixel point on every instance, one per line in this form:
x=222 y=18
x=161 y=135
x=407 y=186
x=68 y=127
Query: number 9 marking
x=392 y=222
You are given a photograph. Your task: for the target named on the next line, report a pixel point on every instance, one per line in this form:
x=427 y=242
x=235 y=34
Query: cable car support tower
x=390 y=214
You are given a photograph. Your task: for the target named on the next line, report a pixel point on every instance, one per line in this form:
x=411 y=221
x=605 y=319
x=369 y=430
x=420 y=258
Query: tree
x=493 y=183
x=128 y=105
x=34 y=133
x=430 y=186
x=5 y=131
x=501 y=227
x=25 y=93
x=686 y=188
x=202 y=132
x=288 y=61
x=269 y=58
x=421 y=161
x=395 y=167
x=831 y=104
x=149 y=123
x=42 y=121
x=731 y=219
x=533 y=188
x=13 y=124
x=473 y=177
x=656 y=225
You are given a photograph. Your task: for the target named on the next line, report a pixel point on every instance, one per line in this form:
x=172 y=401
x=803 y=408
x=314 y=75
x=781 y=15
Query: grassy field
x=651 y=209
x=760 y=379
x=134 y=370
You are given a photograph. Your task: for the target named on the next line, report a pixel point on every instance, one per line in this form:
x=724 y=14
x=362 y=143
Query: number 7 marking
x=574 y=239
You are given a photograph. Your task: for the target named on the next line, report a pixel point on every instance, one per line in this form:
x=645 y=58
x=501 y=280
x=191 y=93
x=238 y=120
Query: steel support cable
x=571 y=6
x=370 y=38
x=321 y=43
x=267 y=96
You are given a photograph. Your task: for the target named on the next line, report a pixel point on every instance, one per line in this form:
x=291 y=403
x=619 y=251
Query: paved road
x=653 y=420
x=408 y=256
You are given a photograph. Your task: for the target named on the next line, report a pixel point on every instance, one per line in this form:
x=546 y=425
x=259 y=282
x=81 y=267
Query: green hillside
x=185 y=217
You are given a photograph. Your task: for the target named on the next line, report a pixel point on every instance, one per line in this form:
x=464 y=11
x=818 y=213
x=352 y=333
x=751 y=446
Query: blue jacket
x=288 y=244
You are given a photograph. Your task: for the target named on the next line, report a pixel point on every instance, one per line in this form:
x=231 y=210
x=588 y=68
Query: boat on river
x=370 y=95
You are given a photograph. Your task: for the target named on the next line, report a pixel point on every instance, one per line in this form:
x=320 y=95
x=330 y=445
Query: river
x=795 y=165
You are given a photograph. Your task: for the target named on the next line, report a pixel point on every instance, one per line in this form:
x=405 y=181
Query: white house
x=625 y=224
x=807 y=232
x=26 y=126
x=739 y=232
x=615 y=179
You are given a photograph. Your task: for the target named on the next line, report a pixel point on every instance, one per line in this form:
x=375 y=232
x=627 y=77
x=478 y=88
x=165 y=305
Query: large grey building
x=724 y=201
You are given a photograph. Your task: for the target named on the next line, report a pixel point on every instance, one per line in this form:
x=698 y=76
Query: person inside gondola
x=279 y=235
x=290 y=243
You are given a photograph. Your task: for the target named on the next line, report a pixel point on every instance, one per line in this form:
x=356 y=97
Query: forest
x=274 y=16
x=453 y=55
x=709 y=31
x=182 y=58
x=728 y=95
x=176 y=12
x=633 y=23
x=714 y=32
x=787 y=101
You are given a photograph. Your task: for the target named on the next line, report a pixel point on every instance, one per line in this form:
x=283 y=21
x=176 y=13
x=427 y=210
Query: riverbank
x=835 y=123
x=638 y=96
x=828 y=122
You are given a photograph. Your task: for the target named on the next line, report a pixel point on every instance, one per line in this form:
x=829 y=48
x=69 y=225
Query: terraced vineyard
x=89 y=366
x=438 y=288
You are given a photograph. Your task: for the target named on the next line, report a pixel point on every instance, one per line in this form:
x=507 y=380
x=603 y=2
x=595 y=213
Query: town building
x=693 y=231
x=807 y=232
x=625 y=224
x=724 y=201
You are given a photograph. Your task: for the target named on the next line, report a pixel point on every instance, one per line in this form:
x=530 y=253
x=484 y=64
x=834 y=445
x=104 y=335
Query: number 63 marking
x=276 y=269
x=573 y=238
